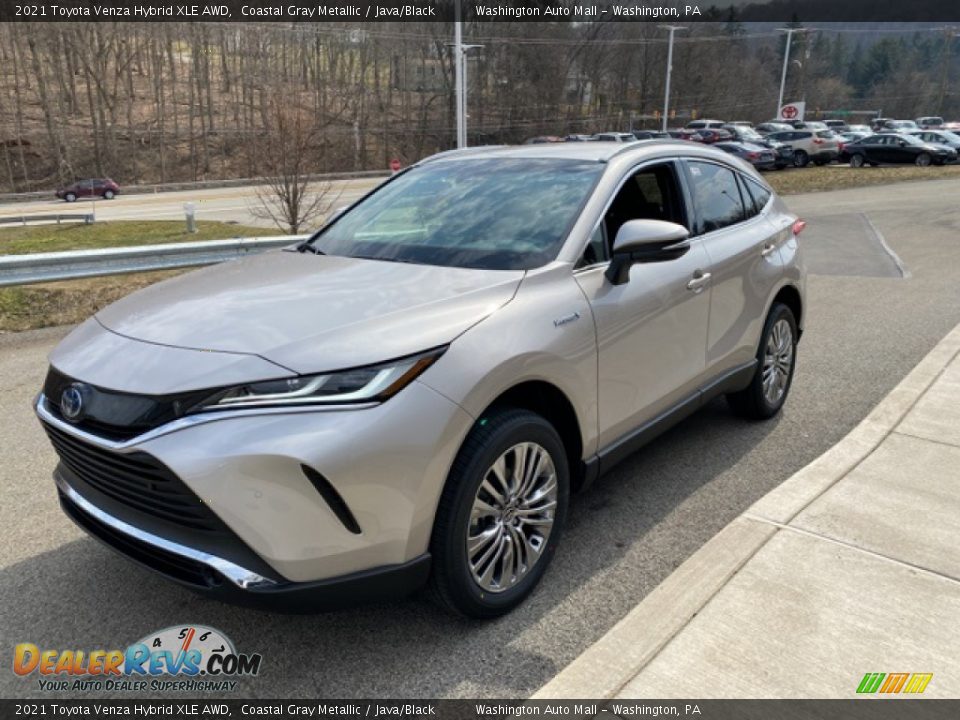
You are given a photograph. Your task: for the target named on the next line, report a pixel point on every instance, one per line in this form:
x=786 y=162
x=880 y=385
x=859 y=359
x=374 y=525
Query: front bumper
x=225 y=580
x=276 y=536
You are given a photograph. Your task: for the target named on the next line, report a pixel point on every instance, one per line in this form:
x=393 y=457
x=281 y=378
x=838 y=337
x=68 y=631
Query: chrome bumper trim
x=239 y=576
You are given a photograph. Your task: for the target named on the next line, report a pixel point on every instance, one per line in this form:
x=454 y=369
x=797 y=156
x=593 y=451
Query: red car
x=96 y=187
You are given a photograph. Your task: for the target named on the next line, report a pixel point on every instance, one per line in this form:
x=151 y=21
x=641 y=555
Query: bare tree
x=285 y=158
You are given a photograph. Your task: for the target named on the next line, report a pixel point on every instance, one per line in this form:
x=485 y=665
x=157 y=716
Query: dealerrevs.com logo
x=180 y=658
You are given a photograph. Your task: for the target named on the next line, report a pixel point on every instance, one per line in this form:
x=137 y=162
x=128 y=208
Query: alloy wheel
x=511 y=517
x=777 y=362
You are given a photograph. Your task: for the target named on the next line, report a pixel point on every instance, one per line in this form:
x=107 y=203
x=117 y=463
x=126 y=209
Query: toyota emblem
x=71 y=402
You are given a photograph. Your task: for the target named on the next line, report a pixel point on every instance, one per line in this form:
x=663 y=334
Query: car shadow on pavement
x=84 y=596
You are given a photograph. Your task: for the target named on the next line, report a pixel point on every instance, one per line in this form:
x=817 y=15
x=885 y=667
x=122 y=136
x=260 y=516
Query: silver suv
x=411 y=395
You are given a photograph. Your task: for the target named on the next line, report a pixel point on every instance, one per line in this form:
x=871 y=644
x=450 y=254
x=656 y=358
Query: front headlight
x=374 y=383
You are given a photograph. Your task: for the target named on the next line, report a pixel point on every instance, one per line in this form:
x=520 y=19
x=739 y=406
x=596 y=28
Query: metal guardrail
x=74 y=264
x=86 y=218
x=198 y=185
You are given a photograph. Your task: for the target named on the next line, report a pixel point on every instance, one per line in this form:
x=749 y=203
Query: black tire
x=451 y=580
x=857 y=161
x=751 y=402
x=70 y=197
x=108 y=195
x=801 y=159
x=923 y=160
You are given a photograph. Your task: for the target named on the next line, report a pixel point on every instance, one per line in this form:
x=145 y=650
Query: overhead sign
x=793 y=111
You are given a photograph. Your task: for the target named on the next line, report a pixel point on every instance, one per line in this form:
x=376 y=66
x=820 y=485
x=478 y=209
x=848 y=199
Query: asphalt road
x=865 y=331
x=224 y=204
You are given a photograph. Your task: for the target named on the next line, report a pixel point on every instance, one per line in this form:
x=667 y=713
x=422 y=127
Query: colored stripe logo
x=892 y=683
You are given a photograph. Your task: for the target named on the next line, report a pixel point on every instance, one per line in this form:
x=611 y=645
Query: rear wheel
x=857 y=161
x=500 y=515
x=801 y=159
x=776 y=358
x=923 y=160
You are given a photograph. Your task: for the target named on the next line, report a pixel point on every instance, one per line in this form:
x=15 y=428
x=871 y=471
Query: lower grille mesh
x=136 y=480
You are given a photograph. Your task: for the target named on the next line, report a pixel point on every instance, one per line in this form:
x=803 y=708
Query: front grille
x=136 y=480
x=118 y=415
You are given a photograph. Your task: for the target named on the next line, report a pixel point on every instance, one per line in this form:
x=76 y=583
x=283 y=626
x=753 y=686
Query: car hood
x=312 y=313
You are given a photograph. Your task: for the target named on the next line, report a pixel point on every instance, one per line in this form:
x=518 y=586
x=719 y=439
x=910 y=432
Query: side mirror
x=903 y=143
x=645 y=241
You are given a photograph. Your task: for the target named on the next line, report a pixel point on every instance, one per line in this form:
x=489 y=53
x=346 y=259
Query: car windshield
x=911 y=139
x=495 y=214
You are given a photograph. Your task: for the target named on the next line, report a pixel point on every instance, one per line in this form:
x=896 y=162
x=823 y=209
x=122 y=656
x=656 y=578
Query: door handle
x=699 y=280
x=767 y=249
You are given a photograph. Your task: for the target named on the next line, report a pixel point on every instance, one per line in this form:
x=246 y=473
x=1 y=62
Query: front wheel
x=108 y=194
x=776 y=357
x=923 y=160
x=800 y=158
x=70 y=197
x=500 y=515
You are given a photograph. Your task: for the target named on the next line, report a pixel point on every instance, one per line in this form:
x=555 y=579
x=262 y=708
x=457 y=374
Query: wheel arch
x=551 y=403
x=790 y=296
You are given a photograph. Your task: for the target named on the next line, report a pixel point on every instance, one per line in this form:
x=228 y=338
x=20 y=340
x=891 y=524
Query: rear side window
x=757 y=193
x=716 y=196
x=826 y=134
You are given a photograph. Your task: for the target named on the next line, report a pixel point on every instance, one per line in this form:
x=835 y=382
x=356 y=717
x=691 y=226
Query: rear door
x=745 y=262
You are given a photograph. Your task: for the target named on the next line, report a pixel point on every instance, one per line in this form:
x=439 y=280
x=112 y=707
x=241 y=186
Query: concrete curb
x=608 y=665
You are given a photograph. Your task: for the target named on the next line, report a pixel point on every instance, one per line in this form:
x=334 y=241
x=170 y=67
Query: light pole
x=460 y=75
x=666 y=92
x=786 y=62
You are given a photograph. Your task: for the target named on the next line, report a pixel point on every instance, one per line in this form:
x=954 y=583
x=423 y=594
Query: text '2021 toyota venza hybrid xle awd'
x=411 y=395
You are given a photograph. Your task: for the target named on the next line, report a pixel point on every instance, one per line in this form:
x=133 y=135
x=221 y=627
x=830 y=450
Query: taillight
x=817 y=141
x=753 y=155
x=798 y=226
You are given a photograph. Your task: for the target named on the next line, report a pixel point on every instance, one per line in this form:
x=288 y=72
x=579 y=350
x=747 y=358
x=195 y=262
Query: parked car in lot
x=891 y=125
x=837 y=126
x=808 y=125
x=772 y=127
x=896 y=148
x=760 y=157
x=930 y=122
x=649 y=135
x=704 y=124
x=95 y=187
x=938 y=137
x=859 y=129
x=816 y=146
x=783 y=153
x=681 y=133
x=412 y=394
x=711 y=135
x=614 y=137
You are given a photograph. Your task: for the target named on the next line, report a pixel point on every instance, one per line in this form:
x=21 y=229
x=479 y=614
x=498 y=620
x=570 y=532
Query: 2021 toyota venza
x=411 y=395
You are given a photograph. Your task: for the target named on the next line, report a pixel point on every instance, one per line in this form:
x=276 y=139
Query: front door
x=651 y=330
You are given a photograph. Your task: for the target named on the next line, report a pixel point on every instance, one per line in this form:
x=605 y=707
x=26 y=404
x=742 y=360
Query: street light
x=666 y=92
x=786 y=62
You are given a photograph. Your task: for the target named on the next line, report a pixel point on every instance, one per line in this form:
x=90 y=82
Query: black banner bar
x=290 y=11
x=873 y=708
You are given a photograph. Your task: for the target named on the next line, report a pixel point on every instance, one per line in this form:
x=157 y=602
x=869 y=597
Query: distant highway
x=224 y=204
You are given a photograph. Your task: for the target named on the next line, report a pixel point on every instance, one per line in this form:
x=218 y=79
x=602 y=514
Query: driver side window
x=652 y=193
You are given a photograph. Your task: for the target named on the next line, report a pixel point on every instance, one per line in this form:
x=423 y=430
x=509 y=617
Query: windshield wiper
x=307 y=246
x=385 y=259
